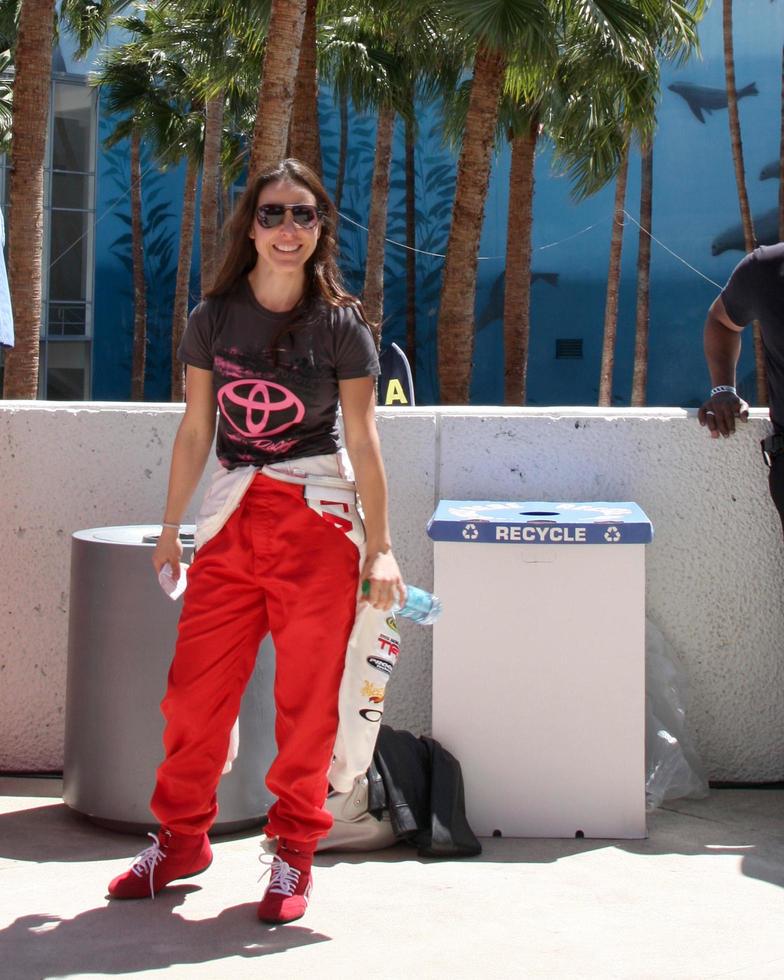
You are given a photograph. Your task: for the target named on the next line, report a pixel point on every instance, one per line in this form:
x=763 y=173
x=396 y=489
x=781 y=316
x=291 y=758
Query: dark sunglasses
x=272 y=215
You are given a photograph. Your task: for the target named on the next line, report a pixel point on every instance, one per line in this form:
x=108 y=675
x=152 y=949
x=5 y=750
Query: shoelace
x=147 y=861
x=283 y=877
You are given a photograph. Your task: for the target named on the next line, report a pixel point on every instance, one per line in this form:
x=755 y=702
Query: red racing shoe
x=291 y=882
x=172 y=856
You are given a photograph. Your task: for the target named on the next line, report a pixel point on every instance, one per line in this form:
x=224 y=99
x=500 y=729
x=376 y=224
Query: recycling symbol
x=612 y=534
x=470 y=532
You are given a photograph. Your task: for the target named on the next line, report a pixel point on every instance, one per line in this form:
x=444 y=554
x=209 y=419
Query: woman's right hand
x=168 y=549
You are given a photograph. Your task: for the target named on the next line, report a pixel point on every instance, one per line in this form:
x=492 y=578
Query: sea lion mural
x=702 y=99
x=766 y=228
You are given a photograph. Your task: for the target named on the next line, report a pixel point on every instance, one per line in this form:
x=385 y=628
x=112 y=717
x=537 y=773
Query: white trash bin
x=539 y=664
x=122 y=630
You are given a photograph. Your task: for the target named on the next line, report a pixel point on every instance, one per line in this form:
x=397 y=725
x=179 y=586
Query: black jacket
x=421 y=785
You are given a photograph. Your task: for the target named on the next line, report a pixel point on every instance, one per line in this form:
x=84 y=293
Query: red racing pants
x=277 y=565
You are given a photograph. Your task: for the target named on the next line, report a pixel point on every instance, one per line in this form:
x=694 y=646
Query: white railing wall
x=714 y=568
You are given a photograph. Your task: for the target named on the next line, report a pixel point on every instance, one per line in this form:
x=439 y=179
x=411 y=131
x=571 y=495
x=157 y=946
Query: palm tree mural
x=410 y=135
x=617 y=89
x=357 y=61
x=222 y=48
x=675 y=45
x=736 y=143
x=381 y=56
x=132 y=91
x=528 y=31
x=164 y=78
x=343 y=151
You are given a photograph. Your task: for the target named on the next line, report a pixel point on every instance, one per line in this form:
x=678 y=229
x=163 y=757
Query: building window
x=570 y=349
x=66 y=367
x=67 y=325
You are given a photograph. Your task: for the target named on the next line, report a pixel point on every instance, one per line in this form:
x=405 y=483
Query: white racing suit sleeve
x=371 y=654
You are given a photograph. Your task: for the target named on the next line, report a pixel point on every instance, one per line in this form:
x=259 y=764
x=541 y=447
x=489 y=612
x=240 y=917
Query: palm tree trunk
x=304 y=138
x=640 y=377
x=343 y=152
x=276 y=92
x=180 y=311
x=740 y=179
x=373 y=291
x=33 y=61
x=225 y=205
x=517 y=284
x=781 y=155
x=139 y=285
x=210 y=176
x=411 y=263
x=613 y=285
x=735 y=135
x=458 y=290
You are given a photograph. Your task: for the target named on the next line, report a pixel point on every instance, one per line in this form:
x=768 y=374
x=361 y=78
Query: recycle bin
x=122 y=630
x=539 y=663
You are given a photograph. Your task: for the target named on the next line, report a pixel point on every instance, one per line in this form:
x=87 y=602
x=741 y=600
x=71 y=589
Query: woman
x=276 y=344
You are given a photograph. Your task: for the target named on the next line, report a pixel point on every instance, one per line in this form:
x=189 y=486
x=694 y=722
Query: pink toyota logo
x=264 y=402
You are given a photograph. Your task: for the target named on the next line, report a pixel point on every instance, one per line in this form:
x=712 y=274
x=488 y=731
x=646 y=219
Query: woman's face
x=285 y=247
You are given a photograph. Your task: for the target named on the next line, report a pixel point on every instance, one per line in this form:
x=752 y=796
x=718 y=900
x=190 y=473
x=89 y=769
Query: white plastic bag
x=672 y=767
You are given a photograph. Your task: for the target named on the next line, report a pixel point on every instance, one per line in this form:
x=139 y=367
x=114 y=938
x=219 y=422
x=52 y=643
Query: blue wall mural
x=161 y=212
x=696 y=217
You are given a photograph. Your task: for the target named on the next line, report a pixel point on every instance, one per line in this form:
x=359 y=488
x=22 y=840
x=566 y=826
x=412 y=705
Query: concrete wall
x=714 y=568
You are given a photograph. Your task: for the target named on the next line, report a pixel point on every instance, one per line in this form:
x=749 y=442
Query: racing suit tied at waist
x=373 y=646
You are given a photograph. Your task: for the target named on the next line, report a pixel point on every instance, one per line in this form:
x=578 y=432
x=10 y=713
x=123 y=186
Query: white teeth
x=287 y=248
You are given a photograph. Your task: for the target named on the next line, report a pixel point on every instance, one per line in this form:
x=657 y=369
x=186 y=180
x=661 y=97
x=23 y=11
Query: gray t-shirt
x=271 y=407
x=755 y=291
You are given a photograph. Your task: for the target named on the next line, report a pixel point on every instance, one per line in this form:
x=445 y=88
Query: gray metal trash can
x=122 y=630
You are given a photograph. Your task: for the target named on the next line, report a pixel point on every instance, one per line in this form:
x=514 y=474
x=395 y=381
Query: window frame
x=86 y=338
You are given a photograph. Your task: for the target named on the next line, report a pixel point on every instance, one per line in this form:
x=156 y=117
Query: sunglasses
x=272 y=215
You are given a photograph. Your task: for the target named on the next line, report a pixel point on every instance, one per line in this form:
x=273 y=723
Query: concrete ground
x=701 y=898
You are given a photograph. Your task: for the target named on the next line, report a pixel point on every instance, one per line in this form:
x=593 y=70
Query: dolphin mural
x=771 y=171
x=494 y=310
x=766 y=228
x=702 y=99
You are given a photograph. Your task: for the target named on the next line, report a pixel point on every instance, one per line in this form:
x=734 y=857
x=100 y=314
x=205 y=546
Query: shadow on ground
x=53 y=832
x=132 y=937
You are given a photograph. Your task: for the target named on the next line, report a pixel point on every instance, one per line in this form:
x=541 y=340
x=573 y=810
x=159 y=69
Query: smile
x=287 y=248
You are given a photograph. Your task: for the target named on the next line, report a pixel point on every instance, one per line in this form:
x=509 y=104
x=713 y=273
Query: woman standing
x=275 y=346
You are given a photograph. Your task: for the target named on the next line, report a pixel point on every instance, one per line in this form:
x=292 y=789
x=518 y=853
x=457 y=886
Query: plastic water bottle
x=420 y=606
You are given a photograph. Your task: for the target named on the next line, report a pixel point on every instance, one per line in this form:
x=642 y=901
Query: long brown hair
x=323 y=279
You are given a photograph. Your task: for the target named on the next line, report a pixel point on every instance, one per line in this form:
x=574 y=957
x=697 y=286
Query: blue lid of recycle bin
x=539 y=522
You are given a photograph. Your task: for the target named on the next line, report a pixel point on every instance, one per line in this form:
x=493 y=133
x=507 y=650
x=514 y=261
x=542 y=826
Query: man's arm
x=722 y=342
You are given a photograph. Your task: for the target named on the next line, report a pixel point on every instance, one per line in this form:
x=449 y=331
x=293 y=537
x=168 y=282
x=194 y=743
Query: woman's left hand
x=386 y=585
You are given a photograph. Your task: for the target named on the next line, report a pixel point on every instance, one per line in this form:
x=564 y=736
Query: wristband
x=174 y=527
x=718 y=389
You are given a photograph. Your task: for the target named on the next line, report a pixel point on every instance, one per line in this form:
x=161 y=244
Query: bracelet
x=175 y=527
x=720 y=388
